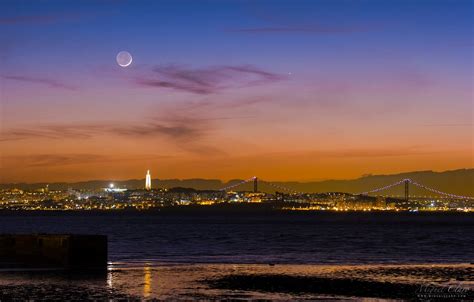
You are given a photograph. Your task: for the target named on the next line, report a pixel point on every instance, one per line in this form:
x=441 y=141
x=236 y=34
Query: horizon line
x=233 y=179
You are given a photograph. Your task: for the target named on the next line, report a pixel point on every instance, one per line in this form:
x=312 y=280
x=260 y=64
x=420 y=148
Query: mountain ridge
x=459 y=181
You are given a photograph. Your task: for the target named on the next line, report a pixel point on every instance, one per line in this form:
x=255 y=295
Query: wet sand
x=55 y=292
x=406 y=282
x=340 y=287
x=155 y=281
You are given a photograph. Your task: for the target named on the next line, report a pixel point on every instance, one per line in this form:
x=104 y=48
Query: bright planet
x=124 y=58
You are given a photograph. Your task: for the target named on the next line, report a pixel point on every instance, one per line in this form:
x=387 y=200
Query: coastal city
x=114 y=197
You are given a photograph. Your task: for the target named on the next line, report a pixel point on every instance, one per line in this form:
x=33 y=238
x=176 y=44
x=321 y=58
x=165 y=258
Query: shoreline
x=340 y=287
x=233 y=209
x=163 y=281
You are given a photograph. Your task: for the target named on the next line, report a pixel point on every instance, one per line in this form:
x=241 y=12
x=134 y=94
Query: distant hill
x=456 y=181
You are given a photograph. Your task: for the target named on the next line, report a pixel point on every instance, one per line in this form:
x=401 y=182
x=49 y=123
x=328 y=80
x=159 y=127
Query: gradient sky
x=286 y=90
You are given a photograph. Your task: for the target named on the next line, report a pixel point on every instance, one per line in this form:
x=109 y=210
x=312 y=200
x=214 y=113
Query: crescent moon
x=124 y=58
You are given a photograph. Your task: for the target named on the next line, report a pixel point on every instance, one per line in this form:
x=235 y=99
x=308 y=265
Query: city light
x=148 y=180
x=252 y=191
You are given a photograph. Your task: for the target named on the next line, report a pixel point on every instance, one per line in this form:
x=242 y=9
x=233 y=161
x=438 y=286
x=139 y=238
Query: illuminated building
x=148 y=180
x=112 y=189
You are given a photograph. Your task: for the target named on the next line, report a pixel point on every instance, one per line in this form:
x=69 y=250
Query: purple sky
x=225 y=89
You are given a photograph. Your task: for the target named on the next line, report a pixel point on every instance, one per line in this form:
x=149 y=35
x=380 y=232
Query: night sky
x=286 y=90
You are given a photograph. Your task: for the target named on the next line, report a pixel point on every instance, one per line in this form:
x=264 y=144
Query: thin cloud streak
x=185 y=133
x=313 y=29
x=81 y=131
x=41 y=160
x=450 y=125
x=206 y=80
x=48 y=18
x=176 y=132
x=66 y=159
x=30 y=19
x=41 y=81
x=351 y=153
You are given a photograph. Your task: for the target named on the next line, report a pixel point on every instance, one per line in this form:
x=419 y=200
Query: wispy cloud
x=351 y=153
x=41 y=160
x=30 y=19
x=65 y=159
x=176 y=130
x=206 y=80
x=362 y=153
x=450 y=125
x=71 y=15
x=312 y=29
x=185 y=133
x=39 y=80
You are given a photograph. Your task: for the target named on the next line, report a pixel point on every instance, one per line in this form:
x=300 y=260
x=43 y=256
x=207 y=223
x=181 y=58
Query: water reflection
x=110 y=277
x=185 y=281
x=147 y=281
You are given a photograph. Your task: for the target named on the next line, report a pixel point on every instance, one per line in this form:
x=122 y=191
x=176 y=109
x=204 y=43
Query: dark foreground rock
x=341 y=287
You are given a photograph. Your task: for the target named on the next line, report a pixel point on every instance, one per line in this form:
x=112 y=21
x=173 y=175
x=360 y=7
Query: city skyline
x=319 y=90
x=444 y=183
x=369 y=194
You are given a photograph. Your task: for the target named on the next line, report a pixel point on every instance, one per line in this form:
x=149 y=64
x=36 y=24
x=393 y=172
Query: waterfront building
x=148 y=180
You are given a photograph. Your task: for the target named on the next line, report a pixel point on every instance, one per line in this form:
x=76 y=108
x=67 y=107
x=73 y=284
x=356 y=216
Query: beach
x=248 y=282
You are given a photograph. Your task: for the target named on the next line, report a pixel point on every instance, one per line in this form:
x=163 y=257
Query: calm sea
x=290 y=238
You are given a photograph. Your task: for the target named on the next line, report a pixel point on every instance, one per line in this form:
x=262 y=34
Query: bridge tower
x=255 y=184
x=407 y=195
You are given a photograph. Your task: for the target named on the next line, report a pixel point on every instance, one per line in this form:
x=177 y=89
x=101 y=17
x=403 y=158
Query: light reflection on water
x=185 y=281
x=181 y=280
x=147 y=273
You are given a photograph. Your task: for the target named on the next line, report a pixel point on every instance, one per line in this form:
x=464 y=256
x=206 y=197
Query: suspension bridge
x=406 y=182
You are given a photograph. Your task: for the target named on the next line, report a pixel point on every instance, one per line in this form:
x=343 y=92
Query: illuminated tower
x=148 y=180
